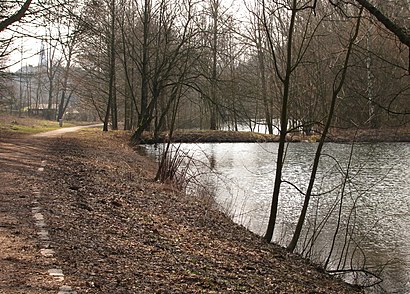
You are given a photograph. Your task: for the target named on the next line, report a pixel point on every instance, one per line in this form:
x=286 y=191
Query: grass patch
x=31 y=129
x=27 y=125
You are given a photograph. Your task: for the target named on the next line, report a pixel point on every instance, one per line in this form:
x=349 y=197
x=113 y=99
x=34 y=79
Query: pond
x=367 y=201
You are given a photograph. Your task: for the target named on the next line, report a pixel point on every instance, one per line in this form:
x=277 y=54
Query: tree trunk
x=264 y=91
x=144 y=68
x=50 y=100
x=61 y=106
x=370 y=87
x=15 y=17
x=214 y=98
x=112 y=92
x=283 y=122
x=336 y=91
x=127 y=106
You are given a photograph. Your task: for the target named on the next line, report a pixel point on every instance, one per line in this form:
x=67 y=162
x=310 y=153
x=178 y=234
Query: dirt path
x=63 y=131
x=85 y=206
x=27 y=264
x=22 y=268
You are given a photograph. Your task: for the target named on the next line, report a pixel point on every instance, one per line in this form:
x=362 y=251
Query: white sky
x=32 y=46
x=29 y=56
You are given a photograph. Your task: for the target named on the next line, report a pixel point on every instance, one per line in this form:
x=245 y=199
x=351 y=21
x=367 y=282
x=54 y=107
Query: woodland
x=163 y=65
x=306 y=66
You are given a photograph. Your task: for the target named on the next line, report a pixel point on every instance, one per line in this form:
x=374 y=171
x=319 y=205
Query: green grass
x=27 y=125
x=30 y=129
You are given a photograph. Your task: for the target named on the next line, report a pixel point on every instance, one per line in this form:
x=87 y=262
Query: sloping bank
x=116 y=231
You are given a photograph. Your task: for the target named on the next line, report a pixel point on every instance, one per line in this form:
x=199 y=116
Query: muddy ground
x=114 y=230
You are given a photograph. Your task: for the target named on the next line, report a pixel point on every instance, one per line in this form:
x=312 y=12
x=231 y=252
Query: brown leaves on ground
x=116 y=231
x=22 y=268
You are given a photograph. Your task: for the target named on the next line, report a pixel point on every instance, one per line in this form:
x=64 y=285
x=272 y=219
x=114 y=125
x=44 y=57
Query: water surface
x=374 y=218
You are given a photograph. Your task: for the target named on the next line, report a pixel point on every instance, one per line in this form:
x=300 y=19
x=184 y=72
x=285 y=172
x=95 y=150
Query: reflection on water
x=375 y=208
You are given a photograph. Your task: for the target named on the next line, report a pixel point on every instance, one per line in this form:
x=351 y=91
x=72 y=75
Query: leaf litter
x=115 y=230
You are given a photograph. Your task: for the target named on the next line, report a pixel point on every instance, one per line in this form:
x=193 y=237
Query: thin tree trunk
x=369 y=90
x=144 y=71
x=107 y=115
x=61 y=107
x=214 y=98
x=264 y=91
x=292 y=245
x=283 y=124
x=112 y=93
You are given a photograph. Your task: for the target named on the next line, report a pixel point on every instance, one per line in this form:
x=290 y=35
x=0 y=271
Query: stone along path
x=27 y=262
x=82 y=214
x=23 y=267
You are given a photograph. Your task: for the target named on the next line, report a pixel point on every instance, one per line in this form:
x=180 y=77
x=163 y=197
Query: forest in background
x=308 y=66
x=160 y=65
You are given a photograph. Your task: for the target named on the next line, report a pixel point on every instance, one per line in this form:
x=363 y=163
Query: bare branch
x=15 y=17
x=397 y=30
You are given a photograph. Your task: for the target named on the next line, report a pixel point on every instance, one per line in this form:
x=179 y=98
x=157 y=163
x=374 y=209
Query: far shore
x=336 y=135
x=12 y=126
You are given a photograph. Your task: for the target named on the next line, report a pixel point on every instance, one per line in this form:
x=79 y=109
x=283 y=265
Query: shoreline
x=335 y=136
x=114 y=230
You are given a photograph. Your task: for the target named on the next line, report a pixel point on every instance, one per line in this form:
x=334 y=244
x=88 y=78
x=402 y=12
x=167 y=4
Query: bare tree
x=400 y=32
x=166 y=44
x=97 y=54
x=258 y=38
x=111 y=103
x=215 y=6
x=337 y=87
x=285 y=78
x=69 y=36
x=53 y=63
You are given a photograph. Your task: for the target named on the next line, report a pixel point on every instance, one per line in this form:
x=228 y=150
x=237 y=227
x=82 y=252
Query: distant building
x=32 y=91
x=41 y=110
x=27 y=92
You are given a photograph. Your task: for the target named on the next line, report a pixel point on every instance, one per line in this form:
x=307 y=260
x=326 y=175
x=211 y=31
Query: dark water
x=375 y=213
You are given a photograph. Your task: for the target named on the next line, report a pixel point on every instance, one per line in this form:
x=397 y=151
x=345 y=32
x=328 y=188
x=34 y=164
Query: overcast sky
x=32 y=47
